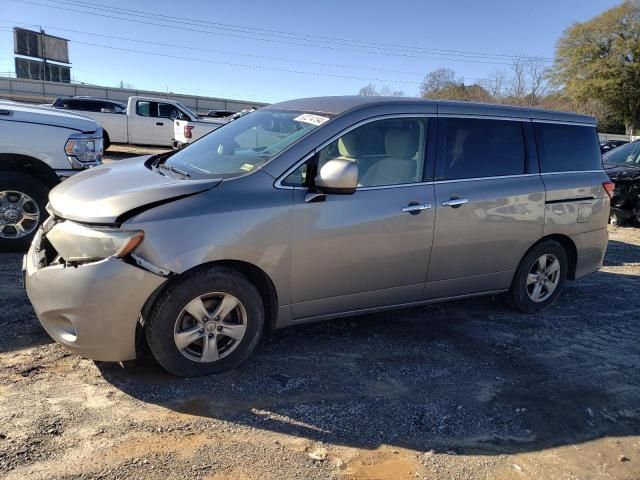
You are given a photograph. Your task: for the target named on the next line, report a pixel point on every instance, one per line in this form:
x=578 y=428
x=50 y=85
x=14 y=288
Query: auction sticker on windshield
x=311 y=118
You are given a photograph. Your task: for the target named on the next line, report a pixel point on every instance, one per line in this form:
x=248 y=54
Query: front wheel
x=208 y=321
x=539 y=278
x=22 y=209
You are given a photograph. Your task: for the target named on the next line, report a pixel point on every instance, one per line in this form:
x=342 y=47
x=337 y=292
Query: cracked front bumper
x=93 y=308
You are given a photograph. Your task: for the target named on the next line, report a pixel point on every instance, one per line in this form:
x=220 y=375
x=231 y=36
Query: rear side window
x=477 y=148
x=69 y=104
x=567 y=148
x=91 y=105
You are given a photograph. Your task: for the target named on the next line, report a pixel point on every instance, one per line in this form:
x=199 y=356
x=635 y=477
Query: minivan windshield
x=245 y=144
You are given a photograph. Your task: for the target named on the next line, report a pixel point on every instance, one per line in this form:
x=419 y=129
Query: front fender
x=244 y=220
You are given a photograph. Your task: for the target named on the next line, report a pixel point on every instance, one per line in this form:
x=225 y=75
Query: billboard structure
x=46 y=54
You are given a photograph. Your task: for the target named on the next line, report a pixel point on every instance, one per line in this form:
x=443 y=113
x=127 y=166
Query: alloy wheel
x=210 y=327
x=19 y=214
x=543 y=278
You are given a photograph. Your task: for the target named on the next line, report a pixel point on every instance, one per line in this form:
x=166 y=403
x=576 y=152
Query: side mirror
x=107 y=110
x=338 y=176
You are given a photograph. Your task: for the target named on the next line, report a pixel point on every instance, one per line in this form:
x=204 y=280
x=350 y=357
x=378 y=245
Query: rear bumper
x=93 y=309
x=591 y=247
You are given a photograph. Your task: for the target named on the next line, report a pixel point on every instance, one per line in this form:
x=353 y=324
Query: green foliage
x=460 y=91
x=443 y=84
x=598 y=62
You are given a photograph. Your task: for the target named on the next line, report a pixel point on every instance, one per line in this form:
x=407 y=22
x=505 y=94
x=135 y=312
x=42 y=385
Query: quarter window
x=567 y=148
x=71 y=105
x=92 y=105
x=476 y=148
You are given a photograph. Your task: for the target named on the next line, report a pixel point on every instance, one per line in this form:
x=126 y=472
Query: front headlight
x=79 y=243
x=84 y=149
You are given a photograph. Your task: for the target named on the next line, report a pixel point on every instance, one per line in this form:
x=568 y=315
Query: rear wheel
x=106 y=141
x=539 y=278
x=22 y=209
x=208 y=321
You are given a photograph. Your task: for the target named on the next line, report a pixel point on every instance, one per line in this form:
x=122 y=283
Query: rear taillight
x=609 y=187
x=187 y=131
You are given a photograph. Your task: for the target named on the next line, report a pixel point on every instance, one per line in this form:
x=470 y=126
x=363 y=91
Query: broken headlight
x=80 y=243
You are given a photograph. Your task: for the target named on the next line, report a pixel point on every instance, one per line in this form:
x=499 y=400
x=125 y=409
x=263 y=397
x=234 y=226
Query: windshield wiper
x=172 y=169
x=178 y=171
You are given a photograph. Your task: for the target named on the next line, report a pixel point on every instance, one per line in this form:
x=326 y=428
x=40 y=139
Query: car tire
x=106 y=141
x=15 y=187
x=170 y=321
x=531 y=289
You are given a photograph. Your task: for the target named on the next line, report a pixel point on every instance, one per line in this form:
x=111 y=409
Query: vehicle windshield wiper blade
x=172 y=169
x=178 y=171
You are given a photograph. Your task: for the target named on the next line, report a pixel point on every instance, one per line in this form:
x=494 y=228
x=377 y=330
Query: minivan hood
x=102 y=194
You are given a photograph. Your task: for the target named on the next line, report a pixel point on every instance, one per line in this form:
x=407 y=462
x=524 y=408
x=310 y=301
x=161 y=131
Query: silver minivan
x=313 y=209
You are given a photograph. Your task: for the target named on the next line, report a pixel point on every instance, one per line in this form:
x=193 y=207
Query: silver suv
x=314 y=209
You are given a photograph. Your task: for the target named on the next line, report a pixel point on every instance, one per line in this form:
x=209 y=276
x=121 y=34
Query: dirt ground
x=461 y=390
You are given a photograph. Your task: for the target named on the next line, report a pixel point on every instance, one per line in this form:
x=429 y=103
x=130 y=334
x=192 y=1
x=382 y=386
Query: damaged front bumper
x=92 y=308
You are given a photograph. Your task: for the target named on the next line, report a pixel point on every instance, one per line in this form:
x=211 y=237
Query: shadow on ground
x=18 y=323
x=469 y=376
x=620 y=253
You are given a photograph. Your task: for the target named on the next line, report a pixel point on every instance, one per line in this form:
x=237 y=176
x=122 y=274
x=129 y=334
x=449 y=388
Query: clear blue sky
x=494 y=27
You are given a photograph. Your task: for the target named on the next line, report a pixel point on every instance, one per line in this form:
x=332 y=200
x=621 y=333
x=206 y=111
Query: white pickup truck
x=144 y=121
x=39 y=147
x=187 y=131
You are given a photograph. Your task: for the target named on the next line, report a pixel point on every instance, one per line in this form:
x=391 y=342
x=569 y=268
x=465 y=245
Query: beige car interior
x=387 y=152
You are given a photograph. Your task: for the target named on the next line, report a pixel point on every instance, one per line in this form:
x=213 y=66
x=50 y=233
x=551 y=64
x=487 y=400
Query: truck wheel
x=207 y=321
x=106 y=141
x=539 y=278
x=22 y=209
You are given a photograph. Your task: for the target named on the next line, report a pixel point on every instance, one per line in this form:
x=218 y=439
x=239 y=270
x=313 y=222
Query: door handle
x=414 y=208
x=159 y=124
x=455 y=202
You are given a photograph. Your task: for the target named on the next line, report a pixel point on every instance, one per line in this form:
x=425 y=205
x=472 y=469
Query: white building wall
x=35 y=91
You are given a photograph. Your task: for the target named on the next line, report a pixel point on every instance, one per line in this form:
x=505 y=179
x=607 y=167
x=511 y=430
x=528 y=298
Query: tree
x=599 y=60
x=443 y=84
x=517 y=86
x=538 y=74
x=528 y=82
x=438 y=80
x=496 y=83
x=386 y=91
x=368 y=91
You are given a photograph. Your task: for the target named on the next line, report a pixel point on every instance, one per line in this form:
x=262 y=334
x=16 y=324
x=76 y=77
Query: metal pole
x=44 y=64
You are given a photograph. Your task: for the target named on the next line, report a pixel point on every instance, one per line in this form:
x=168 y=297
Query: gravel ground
x=466 y=389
